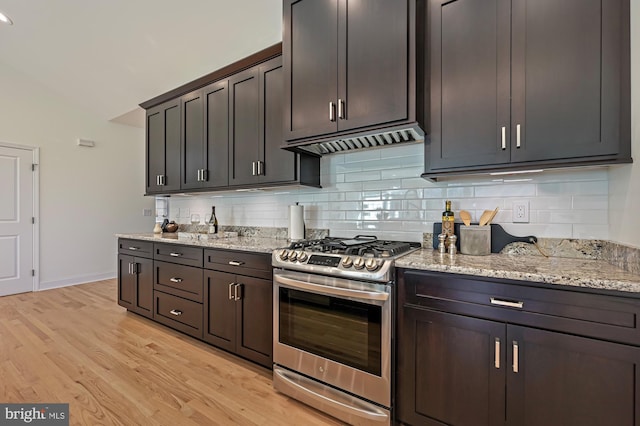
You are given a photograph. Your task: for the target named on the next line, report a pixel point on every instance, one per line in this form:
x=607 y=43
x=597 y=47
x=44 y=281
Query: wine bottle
x=447 y=221
x=213 y=221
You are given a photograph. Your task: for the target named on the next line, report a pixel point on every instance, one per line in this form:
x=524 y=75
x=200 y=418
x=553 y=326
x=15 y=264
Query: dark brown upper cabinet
x=193 y=147
x=225 y=132
x=522 y=84
x=163 y=147
x=350 y=66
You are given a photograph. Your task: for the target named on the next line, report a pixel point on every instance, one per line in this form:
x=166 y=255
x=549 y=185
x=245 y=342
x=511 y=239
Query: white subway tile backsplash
x=380 y=192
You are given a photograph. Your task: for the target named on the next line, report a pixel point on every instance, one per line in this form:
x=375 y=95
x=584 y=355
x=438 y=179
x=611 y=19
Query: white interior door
x=16 y=228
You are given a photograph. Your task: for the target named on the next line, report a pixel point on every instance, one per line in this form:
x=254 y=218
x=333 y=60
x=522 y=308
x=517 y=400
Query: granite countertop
x=593 y=274
x=254 y=244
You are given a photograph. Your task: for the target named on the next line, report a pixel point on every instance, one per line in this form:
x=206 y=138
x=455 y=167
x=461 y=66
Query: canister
x=475 y=240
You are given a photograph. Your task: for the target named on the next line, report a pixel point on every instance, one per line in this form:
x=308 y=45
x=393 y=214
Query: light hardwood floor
x=76 y=345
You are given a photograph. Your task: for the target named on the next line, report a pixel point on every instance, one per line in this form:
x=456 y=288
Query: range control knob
x=371 y=265
x=347 y=262
x=283 y=254
x=293 y=256
x=358 y=263
x=302 y=256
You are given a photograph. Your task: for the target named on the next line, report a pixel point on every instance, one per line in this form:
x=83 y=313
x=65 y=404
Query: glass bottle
x=213 y=221
x=448 y=221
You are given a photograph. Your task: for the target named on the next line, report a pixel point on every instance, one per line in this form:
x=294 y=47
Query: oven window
x=342 y=330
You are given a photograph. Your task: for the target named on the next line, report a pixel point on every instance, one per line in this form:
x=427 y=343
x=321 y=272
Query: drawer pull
x=134 y=248
x=508 y=303
x=175 y=280
x=175 y=254
x=496 y=361
x=516 y=355
x=235 y=263
x=175 y=312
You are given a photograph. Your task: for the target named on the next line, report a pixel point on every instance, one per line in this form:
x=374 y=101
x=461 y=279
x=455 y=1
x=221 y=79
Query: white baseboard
x=82 y=279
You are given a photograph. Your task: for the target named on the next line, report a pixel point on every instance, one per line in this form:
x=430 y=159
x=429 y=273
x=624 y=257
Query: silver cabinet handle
x=175 y=312
x=516 y=355
x=235 y=263
x=175 y=280
x=164 y=180
x=508 y=303
x=504 y=138
x=205 y=175
x=341 y=109
x=496 y=360
x=237 y=292
x=517 y=136
x=253 y=168
x=332 y=111
x=198 y=177
x=130 y=268
x=231 y=290
x=157 y=180
x=175 y=254
x=260 y=172
x=133 y=248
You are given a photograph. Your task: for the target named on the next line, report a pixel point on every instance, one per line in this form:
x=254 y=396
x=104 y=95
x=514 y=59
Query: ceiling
x=108 y=56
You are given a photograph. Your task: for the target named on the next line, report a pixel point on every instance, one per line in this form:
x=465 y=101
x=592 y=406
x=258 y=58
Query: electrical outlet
x=147 y=212
x=521 y=212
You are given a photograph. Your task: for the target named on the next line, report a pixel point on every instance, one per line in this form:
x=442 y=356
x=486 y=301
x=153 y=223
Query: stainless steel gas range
x=333 y=302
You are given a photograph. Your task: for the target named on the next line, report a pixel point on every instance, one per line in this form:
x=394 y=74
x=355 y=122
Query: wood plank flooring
x=76 y=345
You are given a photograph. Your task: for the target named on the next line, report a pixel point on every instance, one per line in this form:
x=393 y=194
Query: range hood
x=378 y=138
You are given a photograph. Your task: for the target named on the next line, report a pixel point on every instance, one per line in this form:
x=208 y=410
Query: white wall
x=86 y=194
x=380 y=192
x=624 y=181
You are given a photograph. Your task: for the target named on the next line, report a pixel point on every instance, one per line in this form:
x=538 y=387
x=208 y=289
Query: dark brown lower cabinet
x=464 y=370
x=135 y=284
x=239 y=315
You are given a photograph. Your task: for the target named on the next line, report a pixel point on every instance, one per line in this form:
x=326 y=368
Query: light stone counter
x=254 y=244
x=593 y=274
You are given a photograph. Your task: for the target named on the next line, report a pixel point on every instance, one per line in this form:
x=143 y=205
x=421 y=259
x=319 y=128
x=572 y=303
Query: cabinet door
x=163 y=147
x=135 y=284
x=278 y=165
x=566 y=78
x=216 y=97
x=564 y=380
x=255 y=320
x=244 y=134
x=470 y=83
x=219 y=310
x=126 y=283
x=144 y=286
x=309 y=51
x=451 y=369
x=192 y=140
x=373 y=62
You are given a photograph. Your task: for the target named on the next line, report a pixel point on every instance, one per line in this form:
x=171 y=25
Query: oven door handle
x=334 y=291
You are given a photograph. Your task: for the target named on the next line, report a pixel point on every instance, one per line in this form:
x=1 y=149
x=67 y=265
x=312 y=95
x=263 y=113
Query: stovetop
x=362 y=257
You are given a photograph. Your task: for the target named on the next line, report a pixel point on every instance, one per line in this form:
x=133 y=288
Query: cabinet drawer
x=190 y=256
x=238 y=262
x=135 y=247
x=520 y=302
x=179 y=280
x=176 y=312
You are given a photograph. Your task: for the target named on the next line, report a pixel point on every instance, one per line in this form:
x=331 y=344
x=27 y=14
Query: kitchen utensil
x=493 y=214
x=484 y=218
x=499 y=237
x=466 y=217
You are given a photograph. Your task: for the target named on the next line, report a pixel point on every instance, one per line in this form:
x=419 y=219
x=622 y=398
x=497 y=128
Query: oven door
x=335 y=330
